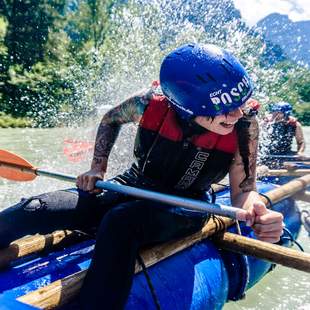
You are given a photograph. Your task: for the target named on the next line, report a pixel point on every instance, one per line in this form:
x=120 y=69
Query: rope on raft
x=290 y=237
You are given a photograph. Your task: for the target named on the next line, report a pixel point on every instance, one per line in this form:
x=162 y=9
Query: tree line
x=45 y=47
x=56 y=55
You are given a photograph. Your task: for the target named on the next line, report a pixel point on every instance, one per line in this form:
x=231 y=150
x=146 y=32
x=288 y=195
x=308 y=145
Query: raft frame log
x=62 y=291
x=269 y=252
x=34 y=244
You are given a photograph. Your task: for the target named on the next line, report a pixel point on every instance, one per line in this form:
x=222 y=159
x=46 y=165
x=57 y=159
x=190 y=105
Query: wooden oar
x=287 y=172
x=13 y=167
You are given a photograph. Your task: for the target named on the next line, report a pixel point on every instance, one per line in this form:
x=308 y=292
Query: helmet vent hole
x=228 y=63
x=201 y=79
x=211 y=77
x=178 y=53
x=226 y=69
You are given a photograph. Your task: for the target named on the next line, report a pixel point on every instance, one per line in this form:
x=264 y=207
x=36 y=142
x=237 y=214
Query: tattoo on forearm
x=129 y=111
x=248 y=144
x=105 y=139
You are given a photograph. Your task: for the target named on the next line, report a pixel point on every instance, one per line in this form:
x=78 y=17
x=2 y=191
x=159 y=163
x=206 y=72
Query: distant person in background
x=279 y=128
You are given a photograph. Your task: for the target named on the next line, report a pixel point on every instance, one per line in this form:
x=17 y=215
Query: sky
x=254 y=10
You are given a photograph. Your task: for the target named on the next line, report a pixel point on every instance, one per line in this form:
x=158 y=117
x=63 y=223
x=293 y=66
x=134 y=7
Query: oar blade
x=15 y=168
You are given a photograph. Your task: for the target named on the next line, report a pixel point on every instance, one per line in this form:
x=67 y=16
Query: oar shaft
x=56 y=175
x=171 y=200
x=188 y=203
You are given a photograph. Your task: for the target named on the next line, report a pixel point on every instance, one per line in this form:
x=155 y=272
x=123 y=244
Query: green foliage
x=7 y=121
x=302 y=112
x=292 y=84
x=26 y=19
x=43 y=67
x=56 y=55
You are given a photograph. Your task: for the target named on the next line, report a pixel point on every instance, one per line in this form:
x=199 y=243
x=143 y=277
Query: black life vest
x=174 y=161
x=280 y=137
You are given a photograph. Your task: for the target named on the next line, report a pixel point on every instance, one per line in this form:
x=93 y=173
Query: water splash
x=142 y=32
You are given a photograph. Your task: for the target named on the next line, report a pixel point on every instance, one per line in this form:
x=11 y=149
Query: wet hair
x=243 y=134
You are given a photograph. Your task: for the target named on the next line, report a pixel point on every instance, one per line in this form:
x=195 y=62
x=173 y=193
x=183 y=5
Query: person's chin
x=222 y=131
x=226 y=130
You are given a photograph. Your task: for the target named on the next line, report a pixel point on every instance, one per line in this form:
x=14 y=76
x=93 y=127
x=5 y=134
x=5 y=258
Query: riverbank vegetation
x=7 y=121
x=61 y=61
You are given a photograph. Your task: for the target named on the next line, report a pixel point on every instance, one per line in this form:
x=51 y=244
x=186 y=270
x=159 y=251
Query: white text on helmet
x=235 y=94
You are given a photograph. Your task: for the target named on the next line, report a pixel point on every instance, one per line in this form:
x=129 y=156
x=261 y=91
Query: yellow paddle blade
x=13 y=167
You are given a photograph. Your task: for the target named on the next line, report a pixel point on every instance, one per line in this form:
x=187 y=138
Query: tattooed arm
x=128 y=111
x=242 y=172
x=300 y=141
x=267 y=224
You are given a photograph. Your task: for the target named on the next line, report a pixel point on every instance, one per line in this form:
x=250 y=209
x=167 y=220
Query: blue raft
x=200 y=277
x=280 y=180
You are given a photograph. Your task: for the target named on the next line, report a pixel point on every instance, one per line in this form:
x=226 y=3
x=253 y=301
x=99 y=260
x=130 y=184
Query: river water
x=282 y=288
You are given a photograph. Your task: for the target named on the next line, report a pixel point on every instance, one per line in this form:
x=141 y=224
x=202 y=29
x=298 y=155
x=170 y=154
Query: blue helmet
x=204 y=80
x=283 y=107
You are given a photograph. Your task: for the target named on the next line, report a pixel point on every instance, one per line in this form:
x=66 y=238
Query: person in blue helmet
x=194 y=127
x=280 y=128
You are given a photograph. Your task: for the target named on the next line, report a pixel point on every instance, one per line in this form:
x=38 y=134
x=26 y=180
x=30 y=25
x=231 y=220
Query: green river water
x=282 y=288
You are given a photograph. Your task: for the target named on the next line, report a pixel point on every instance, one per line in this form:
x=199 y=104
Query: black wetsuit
x=171 y=156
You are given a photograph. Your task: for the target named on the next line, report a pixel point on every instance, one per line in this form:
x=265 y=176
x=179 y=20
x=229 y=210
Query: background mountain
x=292 y=37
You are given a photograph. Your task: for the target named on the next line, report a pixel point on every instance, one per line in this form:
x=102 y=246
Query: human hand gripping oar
x=13 y=167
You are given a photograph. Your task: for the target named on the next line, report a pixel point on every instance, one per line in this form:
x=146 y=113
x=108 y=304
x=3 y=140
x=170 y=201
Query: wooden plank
x=36 y=243
x=288 y=190
x=57 y=293
x=62 y=291
x=267 y=251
